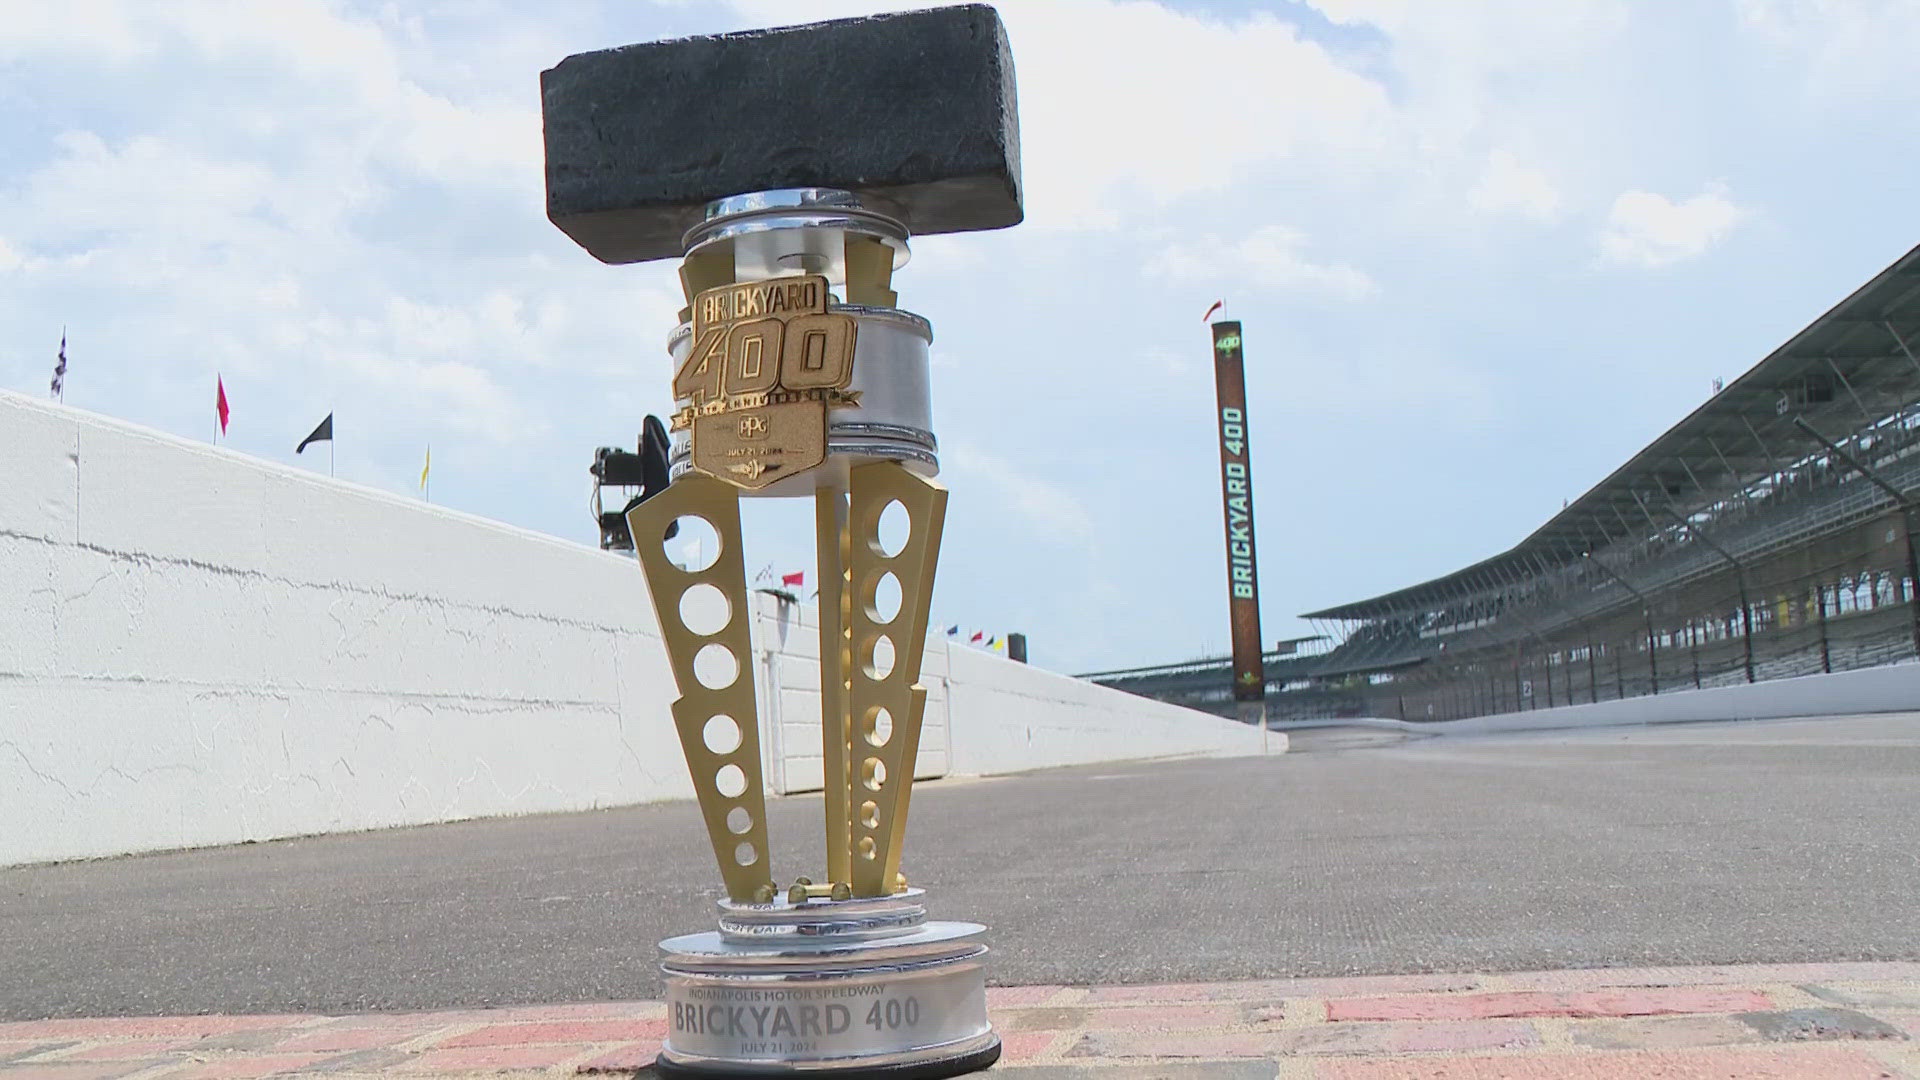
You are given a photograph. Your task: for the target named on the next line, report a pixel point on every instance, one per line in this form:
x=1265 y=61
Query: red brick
x=1117 y=1018
x=10 y=1050
x=624 y=1058
x=351 y=1038
x=1661 y=1033
x=564 y=1031
x=78 y=1070
x=492 y=1058
x=1274 y=989
x=145 y=1027
x=1166 y=1017
x=1384 y=1038
x=422 y=1022
x=1406 y=1037
x=246 y=1066
x=589 y=1010
x=1742 y=1063
x=1721 y=975
x=1025 y=1045
x=1107 y=1045
x=1623 y=1002
x=121 y=1051
x=1001 y=997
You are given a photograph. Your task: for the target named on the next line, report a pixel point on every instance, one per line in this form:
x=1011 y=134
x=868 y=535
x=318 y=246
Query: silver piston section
x=825 y=985
x=894 y=420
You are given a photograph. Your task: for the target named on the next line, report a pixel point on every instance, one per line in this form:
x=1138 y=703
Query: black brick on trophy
x=914 y=108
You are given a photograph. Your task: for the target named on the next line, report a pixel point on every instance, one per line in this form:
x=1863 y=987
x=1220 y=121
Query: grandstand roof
x=1849 y=369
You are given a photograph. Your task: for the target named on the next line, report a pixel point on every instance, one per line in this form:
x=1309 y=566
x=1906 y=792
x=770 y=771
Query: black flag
x=323 y=433
x=60 y=369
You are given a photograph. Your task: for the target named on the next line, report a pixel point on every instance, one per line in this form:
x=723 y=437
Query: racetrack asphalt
x=1780 y=841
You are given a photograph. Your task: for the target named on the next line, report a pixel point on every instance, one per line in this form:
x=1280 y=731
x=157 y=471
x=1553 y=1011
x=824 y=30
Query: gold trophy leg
x=880 y=762
x=718 y=725
x=830 y=536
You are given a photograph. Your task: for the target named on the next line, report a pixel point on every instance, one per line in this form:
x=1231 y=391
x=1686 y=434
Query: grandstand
x=1768 y=534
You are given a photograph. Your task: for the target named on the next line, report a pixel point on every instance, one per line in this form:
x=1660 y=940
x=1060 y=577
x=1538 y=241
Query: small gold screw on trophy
x=787 y=169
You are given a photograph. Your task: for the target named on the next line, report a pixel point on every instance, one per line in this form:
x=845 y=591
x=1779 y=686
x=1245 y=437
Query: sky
x=1483 y=251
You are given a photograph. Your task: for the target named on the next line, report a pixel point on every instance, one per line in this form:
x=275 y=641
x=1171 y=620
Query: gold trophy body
x=796 y=374
x=773 y=396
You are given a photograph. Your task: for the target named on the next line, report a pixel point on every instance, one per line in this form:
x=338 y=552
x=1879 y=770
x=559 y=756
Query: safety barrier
x=204 y=648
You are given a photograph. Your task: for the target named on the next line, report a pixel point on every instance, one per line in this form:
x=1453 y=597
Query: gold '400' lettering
x=759 y=356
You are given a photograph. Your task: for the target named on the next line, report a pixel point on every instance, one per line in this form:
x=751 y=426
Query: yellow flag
x=428 y=466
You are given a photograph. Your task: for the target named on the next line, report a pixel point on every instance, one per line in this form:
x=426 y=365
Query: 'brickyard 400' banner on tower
x=1236 y=491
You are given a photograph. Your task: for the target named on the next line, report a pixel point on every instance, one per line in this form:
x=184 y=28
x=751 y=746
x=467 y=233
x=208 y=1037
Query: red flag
x=1217 y=305
x=977 y=636
x=220 y=402
x=794 y=580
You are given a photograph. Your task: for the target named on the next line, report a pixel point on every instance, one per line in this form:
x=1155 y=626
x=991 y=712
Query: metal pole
x=1646 y=608
x=1913 y=573
x=1851 y=392
x=1779 y=471
x=1739 y=577
x=1519 y=694
x=1902 y=342
x=1593 y=673
x=1900 y=499
x=1826 y=654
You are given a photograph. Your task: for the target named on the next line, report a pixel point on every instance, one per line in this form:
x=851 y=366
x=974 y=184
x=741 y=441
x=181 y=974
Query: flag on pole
x=424 y=469
x=992 y=642
x=323 y=433
x=1217 y=305
x=999 y=646
x=977 y=635
x=220 y=401
x=952 y=630
x=794 y=580
x=60 y=369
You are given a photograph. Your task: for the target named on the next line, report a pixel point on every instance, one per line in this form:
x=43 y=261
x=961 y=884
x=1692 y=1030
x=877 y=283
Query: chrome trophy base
x=841 y=988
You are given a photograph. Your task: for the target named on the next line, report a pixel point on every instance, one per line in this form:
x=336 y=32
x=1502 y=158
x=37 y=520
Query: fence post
x=1593 y=674
x=1826 y=654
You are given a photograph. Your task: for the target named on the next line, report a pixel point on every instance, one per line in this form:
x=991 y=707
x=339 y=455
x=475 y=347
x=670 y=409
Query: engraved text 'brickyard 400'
x=767 y=361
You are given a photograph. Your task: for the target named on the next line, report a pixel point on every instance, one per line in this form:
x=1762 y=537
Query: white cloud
x=339 y=206
x=1270 y=257
x=1123 y=101
x=331 y=231
x=1055 y=510
x=1508 y=186
x=1646 y=229
x=1844 y=48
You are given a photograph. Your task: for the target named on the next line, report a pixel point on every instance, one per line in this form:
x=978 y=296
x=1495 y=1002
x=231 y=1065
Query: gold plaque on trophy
x=767 y=361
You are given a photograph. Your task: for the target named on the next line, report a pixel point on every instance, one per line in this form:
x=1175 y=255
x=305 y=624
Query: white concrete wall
x=985 y=713
x=1010 y=717
x=1895 y=688
x=198 y=647
x=202 y=648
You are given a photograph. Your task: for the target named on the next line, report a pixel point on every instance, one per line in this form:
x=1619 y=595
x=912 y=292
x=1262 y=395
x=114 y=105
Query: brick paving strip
x=1787 y=1021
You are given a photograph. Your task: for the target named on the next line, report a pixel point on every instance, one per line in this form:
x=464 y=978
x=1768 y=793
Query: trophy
x=786 y=169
